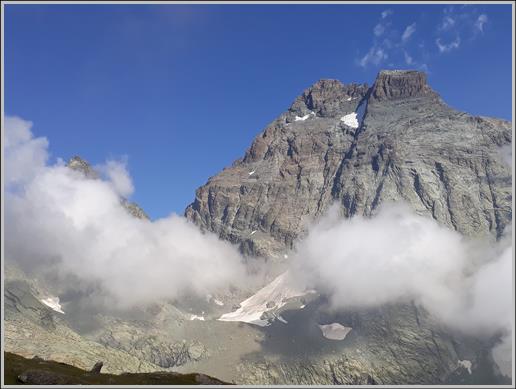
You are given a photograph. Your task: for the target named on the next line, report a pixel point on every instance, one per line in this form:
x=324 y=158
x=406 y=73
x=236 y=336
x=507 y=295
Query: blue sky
x=181 y=90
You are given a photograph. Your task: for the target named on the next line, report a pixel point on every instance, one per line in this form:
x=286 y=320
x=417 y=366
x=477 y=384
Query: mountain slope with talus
x=361 y=146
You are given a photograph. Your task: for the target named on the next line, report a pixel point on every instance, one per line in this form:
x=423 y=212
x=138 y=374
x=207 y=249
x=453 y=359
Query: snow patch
x=302 y=306
x=282 y=320
x=252 y=232
x=53 y=303
x=303 y=118
x=349 y=99
x=355 y=119
x=251 y=173
x=334 y=331
x=251 y=310
x=465 y=364
x=350 y=120
x=195 y=317
x=285 y=256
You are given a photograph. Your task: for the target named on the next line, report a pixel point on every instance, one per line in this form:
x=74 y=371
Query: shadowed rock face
x=409 y=146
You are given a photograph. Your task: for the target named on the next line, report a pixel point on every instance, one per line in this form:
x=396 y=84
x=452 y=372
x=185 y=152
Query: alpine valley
x=354 y=146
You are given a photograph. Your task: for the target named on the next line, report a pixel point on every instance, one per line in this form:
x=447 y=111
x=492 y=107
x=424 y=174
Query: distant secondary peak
x=79 y=164
x=396 y=84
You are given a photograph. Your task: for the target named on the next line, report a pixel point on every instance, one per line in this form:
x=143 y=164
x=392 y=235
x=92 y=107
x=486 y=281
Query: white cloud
x=446 y=47
x=408 y=32
x=398 y=256
x=375 y=55
x=117 y=174
x=25 y=155
x=379 y=29
x=481 y=20
x=62 y=224
x=386 y=13
x=447 y=23
x=387 y=44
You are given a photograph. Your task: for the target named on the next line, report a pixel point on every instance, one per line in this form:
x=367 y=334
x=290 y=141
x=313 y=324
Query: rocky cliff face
x=360 y=146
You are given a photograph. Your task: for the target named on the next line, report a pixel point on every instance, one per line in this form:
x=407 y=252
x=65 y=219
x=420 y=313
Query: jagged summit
x=396 y=84
x=328 y=98
x=331 y=97
x=80 y=165
x=360 y=146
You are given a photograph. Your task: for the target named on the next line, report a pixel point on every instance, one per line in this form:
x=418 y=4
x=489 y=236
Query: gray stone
x=410 y=146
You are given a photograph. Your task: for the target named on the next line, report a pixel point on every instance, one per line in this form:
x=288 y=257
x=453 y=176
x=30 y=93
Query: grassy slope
x=67 y=374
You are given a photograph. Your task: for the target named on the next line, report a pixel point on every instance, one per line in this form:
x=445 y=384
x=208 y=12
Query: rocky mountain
x=360 y=146
x=354 y=145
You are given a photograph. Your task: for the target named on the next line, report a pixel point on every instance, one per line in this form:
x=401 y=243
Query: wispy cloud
x=375 y=55
x=446 y=47
x=481 y=20
x=379 y=29
x=378 y=52
x=458 y=25
x=395 y=45
x=386 y=13
x=408 y=32
x=447 y=23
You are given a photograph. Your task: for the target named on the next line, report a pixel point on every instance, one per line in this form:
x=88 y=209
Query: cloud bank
x=61 y=225
x=399 y=256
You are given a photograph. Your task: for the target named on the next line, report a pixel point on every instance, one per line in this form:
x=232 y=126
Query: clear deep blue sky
x=182 y=90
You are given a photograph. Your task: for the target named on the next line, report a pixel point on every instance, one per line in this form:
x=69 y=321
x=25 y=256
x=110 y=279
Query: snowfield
x=53 y=303
x=354 y=119
x=278 y=292
x=334 y=331
x=195 y=317
x=350 y=120
x=465 y=364
x=303 y=118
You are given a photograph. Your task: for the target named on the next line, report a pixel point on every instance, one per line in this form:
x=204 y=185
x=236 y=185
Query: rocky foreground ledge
x=36 y=371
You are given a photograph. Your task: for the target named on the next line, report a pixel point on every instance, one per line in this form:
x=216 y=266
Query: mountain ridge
x=405 y=148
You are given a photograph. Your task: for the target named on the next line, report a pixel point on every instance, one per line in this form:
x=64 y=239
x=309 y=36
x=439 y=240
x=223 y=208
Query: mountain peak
x=328 y=98
x=79 y=164
x=395 y=84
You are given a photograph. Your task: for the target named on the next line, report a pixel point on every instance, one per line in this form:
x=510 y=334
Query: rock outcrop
x=361 y=146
